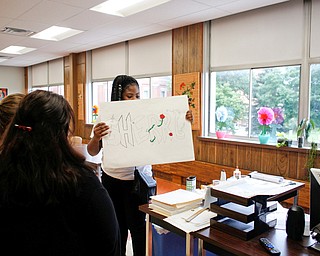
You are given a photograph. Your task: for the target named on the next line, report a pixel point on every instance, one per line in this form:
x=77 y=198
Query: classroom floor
x=163 y=186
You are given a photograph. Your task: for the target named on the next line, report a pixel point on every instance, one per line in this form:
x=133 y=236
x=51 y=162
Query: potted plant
x=265 y=118
x=276 y=123
x=224 y=122
x=312 y=155
x=303 y=131
x=283 y=141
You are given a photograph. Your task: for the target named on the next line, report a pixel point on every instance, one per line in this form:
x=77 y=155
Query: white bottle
x=237 y=173
x=223 y=175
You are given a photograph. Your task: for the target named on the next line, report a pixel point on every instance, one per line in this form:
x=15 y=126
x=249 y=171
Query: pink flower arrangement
x=265 y=118
x=278 y=115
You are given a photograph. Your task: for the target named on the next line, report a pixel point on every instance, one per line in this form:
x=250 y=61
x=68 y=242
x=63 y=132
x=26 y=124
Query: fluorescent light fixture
x=125 y=8
x=56 y=33
x=17 y=49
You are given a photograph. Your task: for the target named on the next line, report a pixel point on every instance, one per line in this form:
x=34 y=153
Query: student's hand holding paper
x=101 y=129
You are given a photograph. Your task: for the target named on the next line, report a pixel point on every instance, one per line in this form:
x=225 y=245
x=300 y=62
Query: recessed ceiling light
x=17 y=49
x=56 y=33
x=125 y=8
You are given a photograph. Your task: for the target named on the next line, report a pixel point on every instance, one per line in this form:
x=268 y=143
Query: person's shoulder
x=89 y=177
x=89 y=180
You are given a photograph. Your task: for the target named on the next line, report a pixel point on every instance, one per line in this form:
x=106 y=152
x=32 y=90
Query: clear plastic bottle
x=237 y=173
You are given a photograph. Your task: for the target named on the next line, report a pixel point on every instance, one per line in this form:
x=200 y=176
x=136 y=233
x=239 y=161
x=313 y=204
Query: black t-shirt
x=85 y=225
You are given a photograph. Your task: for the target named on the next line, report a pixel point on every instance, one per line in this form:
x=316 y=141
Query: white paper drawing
x=147 y=131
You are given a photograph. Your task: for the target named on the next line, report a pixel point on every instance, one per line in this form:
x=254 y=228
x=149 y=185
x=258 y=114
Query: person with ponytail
x=119 y=182
x=51 y=201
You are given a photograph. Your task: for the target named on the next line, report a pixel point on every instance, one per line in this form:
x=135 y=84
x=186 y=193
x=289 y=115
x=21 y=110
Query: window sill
x=255 y=144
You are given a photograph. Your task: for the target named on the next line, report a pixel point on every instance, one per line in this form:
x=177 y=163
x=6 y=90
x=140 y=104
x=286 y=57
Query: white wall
x=12 y=78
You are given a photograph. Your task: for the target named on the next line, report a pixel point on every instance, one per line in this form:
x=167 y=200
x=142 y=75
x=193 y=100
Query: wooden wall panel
x=244 y=157
x=187 y=57
x=187 y=49
x=268 y=161
x=195 y=57
x=255 y=163
x=26 y=79
x=282 y=163
x=178 y=56
x=230 y=155
x=293 y=163
x=301 y=167
x=67 y=81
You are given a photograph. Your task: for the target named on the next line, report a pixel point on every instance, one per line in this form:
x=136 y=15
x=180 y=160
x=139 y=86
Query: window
x=59 y=89
x=155 y=87
x=243 y=92
x=315 y=100
x=144 y=84
x=101 y=92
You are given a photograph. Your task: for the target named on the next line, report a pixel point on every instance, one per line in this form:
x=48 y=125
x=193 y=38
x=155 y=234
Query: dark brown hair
x=38 y=164
x=8 y=106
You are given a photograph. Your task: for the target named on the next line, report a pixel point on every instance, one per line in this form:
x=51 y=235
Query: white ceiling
x=101 y=29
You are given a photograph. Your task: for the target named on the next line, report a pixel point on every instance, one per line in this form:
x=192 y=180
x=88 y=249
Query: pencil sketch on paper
x=149 y=131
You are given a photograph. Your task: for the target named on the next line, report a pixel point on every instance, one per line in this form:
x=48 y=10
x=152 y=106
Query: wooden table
x=224 y=244
x=218 y=241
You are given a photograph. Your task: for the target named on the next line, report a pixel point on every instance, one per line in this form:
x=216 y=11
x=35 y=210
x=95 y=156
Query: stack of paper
x=176 y=201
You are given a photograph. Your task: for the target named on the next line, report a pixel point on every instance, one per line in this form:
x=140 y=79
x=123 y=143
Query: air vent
x=17 y=31
x=4 y=58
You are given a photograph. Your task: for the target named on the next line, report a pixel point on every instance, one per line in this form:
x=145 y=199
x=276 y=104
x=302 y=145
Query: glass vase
x=264 y=138
x=273 y=133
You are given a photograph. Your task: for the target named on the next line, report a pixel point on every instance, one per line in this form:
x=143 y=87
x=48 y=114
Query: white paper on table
x=266 y=177
x=248 y=187
x=147 y=131
x=199 y=222
x=178 y=198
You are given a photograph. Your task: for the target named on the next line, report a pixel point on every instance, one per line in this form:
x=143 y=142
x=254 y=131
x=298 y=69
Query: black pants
x=129 y=217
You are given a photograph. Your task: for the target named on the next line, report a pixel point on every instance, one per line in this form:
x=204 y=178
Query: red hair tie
x=23 y=127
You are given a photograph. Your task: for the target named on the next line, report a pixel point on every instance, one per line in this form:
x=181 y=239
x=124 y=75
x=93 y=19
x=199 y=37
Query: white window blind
x=269 y=34
x=109 y=61
x=40 y=74
x=315 y=30
x=151 y=54
x=56 y=71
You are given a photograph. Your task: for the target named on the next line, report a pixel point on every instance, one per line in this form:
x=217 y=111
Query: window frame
x=302 y=110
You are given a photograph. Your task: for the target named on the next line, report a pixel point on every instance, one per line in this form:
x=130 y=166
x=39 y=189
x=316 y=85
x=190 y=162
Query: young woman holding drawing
x=119 y=182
